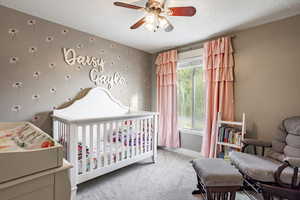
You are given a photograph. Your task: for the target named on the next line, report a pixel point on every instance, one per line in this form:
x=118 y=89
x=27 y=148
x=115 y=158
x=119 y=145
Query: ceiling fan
x=156 y=13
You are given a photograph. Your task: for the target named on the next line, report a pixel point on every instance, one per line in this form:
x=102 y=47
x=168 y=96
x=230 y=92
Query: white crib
x=100 y=135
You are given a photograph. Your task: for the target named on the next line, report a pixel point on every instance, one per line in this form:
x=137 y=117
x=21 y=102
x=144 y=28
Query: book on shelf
x=224 y=153
x=231 y=135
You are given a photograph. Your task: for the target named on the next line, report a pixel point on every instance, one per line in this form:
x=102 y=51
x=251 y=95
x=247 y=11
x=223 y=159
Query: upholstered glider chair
x=276 y=172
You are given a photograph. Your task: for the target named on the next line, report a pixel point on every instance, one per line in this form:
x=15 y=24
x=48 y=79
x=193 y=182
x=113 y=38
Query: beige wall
x=267 y=73
x=133 y=64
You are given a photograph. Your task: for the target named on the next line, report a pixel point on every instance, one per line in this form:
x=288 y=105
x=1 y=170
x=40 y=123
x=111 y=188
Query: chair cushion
x=291 y=151
x=260 y=168
x=292 y=125
x=217 y=172
x=293 y=140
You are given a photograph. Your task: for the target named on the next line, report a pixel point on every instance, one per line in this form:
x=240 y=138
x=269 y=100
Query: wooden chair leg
x=200 y=190
x=232 y=195
x=209 y=195
x=266 y=195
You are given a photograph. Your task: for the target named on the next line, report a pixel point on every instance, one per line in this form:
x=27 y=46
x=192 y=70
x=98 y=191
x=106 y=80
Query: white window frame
x=188 y=57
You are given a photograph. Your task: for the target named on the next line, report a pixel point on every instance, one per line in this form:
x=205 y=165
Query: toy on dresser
x=24 y=137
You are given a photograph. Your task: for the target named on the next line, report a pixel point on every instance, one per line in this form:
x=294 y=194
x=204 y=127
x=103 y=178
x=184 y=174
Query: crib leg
x=73 y=193
x=154 y=159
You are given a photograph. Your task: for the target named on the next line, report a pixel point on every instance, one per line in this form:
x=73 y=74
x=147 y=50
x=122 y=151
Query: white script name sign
x=96 y=73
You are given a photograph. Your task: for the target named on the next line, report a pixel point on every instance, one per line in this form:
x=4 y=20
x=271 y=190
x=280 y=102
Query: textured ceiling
x=101 y=18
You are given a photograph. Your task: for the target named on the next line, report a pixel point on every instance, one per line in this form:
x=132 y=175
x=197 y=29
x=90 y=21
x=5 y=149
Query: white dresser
x=51 y=184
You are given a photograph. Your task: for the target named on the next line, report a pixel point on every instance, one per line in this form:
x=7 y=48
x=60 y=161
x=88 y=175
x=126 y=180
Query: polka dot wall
x=34 y=78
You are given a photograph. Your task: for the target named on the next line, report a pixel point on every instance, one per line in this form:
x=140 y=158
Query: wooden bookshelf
x=221 y=122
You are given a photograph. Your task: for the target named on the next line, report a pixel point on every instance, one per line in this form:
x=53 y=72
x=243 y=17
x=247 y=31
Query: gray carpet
x=171 y=178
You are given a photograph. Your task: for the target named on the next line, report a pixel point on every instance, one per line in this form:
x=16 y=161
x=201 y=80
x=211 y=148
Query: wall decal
x=68 y=77
x=32 y=49
x=64 y=31
x=71 y=58
x=92 y=39
x=36 y=96
x=36 y=75
x=49 y=38
x=13 y=32
x=98 y=78
x=35 y=118
x=79 y=67
x=17 y=85
x=16 y=108
x=79 y=46
x=13 y=60
x=52 y=65
x=53 y=90
x=96 y=73
x=31 y=22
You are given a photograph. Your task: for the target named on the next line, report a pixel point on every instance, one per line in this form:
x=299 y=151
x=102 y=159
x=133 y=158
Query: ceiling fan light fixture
x=150 y=18
x=150 y=27
x=163 y=23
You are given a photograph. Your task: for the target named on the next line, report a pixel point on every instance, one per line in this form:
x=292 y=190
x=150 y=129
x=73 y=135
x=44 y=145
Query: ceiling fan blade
x=138 y=23
x=126 y=5
x=182 y=11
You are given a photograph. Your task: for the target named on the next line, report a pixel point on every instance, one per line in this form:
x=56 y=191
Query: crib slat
x=135 y=137
x=110 y=152
x=105 y=138
x=152 y=132
x=98 y=133
x=128 y=138
x=144 y=136
x=68 y=146
x=118 y=150
x=123 y=141
x=83 y=159
x=91 y=156
x=147 y=134
x=141 y=137
x=130 y=141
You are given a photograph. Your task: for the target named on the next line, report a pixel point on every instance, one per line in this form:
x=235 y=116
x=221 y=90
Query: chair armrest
x=294 y=162
x=255 y=142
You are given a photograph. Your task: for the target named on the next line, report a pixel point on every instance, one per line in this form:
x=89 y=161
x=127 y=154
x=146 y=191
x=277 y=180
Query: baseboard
x=186 y=152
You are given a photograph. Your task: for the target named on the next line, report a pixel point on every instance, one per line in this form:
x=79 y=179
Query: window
x=190 y=94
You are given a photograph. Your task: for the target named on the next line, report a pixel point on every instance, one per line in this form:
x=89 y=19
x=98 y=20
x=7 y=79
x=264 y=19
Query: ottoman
x=217 y=178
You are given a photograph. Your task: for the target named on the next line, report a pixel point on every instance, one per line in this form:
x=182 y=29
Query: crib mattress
x=17 y=162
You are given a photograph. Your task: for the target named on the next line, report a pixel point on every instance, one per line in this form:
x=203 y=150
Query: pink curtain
x=218 y=73
x=166 y=98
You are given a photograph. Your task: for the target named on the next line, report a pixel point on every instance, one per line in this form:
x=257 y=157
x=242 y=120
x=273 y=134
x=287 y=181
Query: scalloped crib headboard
x=98 y=102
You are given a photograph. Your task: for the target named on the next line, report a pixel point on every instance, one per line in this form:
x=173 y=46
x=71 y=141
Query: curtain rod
x=195 y=45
